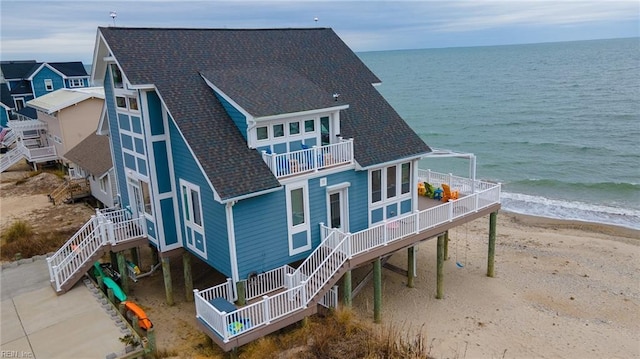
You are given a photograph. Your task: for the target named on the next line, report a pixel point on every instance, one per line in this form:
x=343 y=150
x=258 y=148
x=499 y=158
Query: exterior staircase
x=11 y=158
x=8 y=139
x=107 y=230
x=70 y=190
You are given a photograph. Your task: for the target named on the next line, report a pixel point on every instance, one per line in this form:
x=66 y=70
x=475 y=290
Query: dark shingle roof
x=93 y=154
x=29 y=112
x=265 y=91
x=17 y=69
x=71 y=69
x=21 y=88
x=173 y=60
x=5 y=95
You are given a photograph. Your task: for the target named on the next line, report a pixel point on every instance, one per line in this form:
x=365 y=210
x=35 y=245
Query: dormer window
x=263 y=133
x=294 y=128
x=278 y=130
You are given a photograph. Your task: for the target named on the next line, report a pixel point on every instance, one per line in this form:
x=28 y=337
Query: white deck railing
x=103 y=228
x=308 y=280
x=310 y=159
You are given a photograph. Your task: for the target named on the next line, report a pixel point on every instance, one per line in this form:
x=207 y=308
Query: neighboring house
x=6 y=104
x=27 y=80
x=92 y=160
x=267 y=154
x=70 y=115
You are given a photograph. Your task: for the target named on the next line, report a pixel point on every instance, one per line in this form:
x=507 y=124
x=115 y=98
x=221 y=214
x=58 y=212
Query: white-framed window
x=48 y=84
x=19 y=103
x=297 y=199
x=262 y=133
x=76 y=83
x=104 y=184
x=390 y=183
x=192 y=216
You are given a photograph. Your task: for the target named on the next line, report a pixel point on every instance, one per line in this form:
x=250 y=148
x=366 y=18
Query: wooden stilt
x=168 y=288
x=151 y=340
x=100 y=282
x=135 y=258
x=411 y=265
x=242 y=293
x=493 y=219
x=114 y=259
x=346 y=289
x=446 y=245
x=188 y=278
x=377 y=291
x=110 y=295
x=124 y=274
x=154 y=255
x=440 y=268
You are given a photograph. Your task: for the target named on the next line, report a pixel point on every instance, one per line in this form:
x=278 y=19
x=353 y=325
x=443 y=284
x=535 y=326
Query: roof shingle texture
x=315 y=59
x=93 y=154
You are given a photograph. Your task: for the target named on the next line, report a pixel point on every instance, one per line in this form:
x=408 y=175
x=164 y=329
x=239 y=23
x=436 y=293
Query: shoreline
x=560 y=223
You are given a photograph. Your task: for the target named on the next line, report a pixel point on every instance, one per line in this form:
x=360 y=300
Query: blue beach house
x=269 y=155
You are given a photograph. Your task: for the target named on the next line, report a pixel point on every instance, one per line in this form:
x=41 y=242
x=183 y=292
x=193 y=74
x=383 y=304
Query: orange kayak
x=143 y=321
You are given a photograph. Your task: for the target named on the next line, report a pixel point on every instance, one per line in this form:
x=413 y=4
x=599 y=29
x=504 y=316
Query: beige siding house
x=70 y=115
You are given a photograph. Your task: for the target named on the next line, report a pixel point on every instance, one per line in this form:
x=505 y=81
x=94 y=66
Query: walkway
x=36 y=323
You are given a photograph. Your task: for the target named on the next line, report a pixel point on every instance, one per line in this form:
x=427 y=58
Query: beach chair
x=448 y=194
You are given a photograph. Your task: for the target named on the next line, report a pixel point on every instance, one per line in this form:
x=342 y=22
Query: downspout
x=231 y=235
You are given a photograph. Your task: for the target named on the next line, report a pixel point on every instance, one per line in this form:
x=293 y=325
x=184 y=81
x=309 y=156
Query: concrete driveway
x=37 y=323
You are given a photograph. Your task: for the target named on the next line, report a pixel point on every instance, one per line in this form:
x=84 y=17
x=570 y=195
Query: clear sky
x=57 y=30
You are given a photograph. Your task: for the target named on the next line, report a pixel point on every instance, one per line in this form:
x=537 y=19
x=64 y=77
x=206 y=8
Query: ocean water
x=558 y=124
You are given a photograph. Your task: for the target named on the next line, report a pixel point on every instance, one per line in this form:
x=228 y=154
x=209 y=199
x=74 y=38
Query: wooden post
x=168 y=288
x=188 y=278
x=135 y=323
x=377 y=291
x=241 y=289
x=122 y=309
x=446 y=245
x=151 y=338
x=111 y=296
x=124 y=273
x=154 y=255
x=114 y=259
x=346 y=290
x=134 y=256
x=100 y=282
x=493 y=219
x=440 y=268
x=411 y=265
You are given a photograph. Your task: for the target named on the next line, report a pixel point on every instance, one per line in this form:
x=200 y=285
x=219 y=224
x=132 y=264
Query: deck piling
x=346 y=289
x=446 y=245
x=440 y=268
x=493 y=218
x=377 y=290
x=188 y=278
x=168 y=288
x=124 y=273
x=411 y=265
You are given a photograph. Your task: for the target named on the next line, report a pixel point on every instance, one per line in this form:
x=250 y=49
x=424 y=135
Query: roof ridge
x=213 y=28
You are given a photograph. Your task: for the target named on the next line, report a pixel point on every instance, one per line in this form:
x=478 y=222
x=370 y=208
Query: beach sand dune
x=562 y=290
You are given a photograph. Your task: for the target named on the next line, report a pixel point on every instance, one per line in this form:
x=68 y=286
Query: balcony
x=309 y=160
x=285 y=295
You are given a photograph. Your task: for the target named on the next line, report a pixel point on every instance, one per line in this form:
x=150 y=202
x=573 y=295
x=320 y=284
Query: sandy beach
x=562 y=289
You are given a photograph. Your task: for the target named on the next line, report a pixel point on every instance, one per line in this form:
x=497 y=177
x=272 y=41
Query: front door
x=338 y=210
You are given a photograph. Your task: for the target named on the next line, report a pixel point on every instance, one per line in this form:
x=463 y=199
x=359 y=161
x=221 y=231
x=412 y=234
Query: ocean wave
x=598 y=186
x=572 y=210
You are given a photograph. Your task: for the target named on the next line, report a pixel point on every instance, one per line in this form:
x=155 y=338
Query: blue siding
x=213 y=213
x=115 y=141
x=4 y=117
x=261 y=233
x=38 y=81
x=238 y=118
x=405 y=206
x=155 y=113
x=151 y=229
x=162 y=167
x=261 y=228
x=169 y=221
